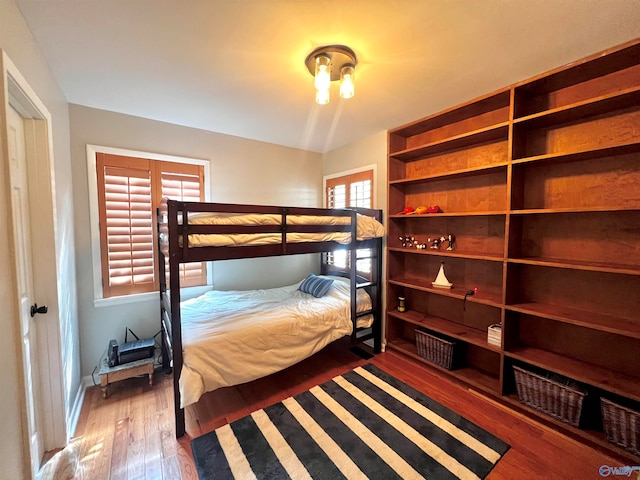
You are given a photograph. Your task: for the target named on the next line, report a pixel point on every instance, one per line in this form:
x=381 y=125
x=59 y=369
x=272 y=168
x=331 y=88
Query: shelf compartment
x=444 y=253
x=470 y=333
x=606 y=242
x=592 y=107
x=470 y=374
x=426 y=175
x=550 y=135
x=554 y=211
x=576 y=294
x=617 y=268
x=399 y=216
x=569 y=350
x=490 y=143
x=476 y=313
x=482 y=113
x=607 y=183
x=479 y=237
x=606 y=379
x=591 y=78
x=420 y=271
x=487 y=294
x=591 y=154
x=478 y=193
x=628 y=327
x=592 y=437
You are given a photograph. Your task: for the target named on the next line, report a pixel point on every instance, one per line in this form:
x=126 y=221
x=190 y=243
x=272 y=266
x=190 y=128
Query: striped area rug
x=363 y=424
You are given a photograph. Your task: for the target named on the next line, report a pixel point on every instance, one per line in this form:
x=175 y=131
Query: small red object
x=475 y=290
x=434 y=209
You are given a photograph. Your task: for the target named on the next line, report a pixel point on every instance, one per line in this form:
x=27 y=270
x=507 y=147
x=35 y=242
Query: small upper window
x=351 y=190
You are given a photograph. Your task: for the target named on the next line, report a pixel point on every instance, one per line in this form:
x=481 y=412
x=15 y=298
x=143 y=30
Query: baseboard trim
x=74 y=416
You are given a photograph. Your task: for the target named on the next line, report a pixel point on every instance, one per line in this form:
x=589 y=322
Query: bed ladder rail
x=373 y=286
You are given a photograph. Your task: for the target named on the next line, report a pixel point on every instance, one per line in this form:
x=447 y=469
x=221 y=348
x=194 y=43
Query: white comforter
x=232 y=337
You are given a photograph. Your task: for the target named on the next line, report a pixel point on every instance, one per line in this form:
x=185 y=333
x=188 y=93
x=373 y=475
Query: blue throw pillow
x=316 y=286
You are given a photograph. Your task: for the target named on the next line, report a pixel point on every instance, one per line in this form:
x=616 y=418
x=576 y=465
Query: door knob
x=36 y=309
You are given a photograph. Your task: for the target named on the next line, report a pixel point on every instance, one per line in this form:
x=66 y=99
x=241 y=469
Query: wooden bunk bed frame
x=173 y=230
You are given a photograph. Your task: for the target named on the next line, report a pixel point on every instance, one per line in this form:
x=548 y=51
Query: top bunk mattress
x=366 y=228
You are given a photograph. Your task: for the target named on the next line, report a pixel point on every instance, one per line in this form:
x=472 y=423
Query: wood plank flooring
x=130 y=434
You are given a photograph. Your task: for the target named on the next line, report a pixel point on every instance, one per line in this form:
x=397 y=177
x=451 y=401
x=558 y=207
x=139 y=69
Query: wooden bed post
x=176 y=324
x=376 y=272
x=163 y=288
x=353 y=279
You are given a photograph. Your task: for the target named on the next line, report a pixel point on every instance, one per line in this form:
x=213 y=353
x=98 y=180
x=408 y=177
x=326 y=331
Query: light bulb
x=322 y=96
x=323 y=72
x=347 y=87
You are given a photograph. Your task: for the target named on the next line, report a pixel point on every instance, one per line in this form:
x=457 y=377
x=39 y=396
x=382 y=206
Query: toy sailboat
x=441 y=280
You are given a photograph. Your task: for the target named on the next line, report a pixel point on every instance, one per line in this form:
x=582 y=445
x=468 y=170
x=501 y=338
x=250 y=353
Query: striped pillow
x=316 y=286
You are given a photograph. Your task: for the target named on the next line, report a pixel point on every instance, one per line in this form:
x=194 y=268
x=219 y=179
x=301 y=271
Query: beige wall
x=17 y=42
x=242 y=171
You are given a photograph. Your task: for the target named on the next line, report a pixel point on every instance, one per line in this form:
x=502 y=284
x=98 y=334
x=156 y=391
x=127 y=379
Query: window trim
x=373 y=168
x=92 y=180
x=345 y=173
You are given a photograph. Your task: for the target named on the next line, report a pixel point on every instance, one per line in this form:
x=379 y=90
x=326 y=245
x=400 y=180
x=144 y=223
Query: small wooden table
x=108 y=374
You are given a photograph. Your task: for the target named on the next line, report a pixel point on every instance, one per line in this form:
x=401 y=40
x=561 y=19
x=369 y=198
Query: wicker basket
x=621 y=425
x=546 y=395
x=435 y=349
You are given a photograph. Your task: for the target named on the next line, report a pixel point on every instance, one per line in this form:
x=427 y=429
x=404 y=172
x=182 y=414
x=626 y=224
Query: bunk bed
x=200 y=231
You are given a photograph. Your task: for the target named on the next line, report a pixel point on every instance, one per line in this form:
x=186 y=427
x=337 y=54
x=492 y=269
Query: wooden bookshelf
x=540 y=184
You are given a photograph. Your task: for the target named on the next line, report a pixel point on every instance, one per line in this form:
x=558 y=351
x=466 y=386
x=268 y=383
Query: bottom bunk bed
x=225 y=338
x=234 y=337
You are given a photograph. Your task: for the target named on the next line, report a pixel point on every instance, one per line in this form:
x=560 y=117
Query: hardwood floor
x=130 y=434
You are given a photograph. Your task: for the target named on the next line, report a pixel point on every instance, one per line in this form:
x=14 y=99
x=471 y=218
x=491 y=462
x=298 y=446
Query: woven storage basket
x=621 y=425
x=556 y=399
x=435 y=349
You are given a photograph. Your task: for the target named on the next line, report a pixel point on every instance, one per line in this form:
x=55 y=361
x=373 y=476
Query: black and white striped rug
x=363 y=424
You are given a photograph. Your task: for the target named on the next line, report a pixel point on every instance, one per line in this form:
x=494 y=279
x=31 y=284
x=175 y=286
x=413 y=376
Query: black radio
x=127 y=352
x=136 y=350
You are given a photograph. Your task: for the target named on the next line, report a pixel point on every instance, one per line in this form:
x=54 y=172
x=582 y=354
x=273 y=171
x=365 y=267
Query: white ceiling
x=237 y=66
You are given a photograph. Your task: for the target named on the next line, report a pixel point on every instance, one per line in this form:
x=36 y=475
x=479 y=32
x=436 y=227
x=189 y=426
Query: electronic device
x=112 y=353
x=136 y=350
x=126 y=352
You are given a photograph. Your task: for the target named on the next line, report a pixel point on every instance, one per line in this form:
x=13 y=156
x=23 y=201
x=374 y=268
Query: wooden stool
x=108 y=374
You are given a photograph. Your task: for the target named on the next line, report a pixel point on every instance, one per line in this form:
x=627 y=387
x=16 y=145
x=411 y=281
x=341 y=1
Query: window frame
x=347 y=173
x=92 y=176
x=352 y=173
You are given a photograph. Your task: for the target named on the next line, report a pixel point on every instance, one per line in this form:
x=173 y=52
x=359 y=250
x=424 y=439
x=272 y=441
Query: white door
x=22 y=241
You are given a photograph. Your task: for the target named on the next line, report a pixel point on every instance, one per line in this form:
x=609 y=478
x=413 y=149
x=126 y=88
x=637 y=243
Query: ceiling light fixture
x=331 y=63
